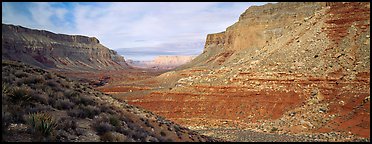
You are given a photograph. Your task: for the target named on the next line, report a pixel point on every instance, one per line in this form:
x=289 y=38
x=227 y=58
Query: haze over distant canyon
x=283 y=72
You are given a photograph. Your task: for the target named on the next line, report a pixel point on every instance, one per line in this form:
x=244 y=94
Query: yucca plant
x=42 y=123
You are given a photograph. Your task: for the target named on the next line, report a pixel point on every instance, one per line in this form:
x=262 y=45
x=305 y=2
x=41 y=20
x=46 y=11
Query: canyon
x=289 y=71
x=287 y=68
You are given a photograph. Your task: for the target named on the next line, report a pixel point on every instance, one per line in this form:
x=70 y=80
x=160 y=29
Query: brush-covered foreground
x=38 y=105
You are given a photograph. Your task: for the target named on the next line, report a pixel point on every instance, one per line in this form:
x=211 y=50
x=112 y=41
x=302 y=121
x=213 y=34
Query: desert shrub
x=17 y=114
x=67 y=123
x=61 y=76
x=49 y=76
x=58 y=95
x=141 y=134
x=76 y=112
x=68 y=92
x=63 y=104
x=20 y=74
x=34 y=80
x=40 y=97
x=5 y=88
x=8 y=79
x=20 y=95
x=114 y=121
x=179 y=135
x=86 y=100
x=90 y=111
x=75 y=100
x=131 y=126
x=19 y=82
x=162 y=133
x=37 y=108
x=168 y=140
x=122 y=129
x=273 y=129
x=113 y=137
x=37 y=86
x=83 y=111
x=147 y=123
x=52 y=83
x=177 y=128
x=49 y=91
x=42 y=123
x=64 y=84
x=107 y=137
x=6 y=119
x=40 y=71
x=103 y=127
x=106 y=108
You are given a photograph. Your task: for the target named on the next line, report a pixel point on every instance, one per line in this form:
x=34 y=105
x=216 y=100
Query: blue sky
x=138 y=31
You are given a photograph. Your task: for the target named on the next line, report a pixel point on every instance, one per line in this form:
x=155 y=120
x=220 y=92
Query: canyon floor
x=282 y=72
x=222 y=111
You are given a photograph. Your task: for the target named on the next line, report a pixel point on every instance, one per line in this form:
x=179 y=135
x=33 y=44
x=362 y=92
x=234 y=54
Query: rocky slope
x=163 y=62
x=39 y=105
x=58 y=51
x=298 y=68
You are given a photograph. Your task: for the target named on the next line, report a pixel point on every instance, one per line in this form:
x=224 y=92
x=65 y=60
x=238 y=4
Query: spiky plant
x=42 y=123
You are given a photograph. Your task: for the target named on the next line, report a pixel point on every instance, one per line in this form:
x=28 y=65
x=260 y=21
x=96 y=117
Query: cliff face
x=298 y=67
x=304 y=37
x=49 y=50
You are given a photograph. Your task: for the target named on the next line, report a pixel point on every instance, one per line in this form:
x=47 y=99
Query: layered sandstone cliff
x=64 y=52
x=295 y=67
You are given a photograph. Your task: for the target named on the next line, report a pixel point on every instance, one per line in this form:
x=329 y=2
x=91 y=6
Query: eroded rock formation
x=295 y=67
x=65 y=52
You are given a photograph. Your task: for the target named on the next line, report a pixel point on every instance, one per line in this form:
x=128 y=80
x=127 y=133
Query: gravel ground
x=252 y=136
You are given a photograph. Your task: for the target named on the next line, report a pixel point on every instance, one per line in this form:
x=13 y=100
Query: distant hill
x=57 y=51
x=162 y=62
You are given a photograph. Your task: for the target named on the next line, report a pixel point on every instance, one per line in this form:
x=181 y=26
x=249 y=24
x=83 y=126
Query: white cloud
x=131 y=25
x=11 y=15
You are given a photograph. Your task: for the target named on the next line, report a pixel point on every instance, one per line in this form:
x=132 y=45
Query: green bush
x=42 y=123
x=114 y=121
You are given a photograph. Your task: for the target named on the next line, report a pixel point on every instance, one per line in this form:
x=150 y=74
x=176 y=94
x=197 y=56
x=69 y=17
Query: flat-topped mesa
x=278 y=11
x=58 y=37
x=64 y=52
